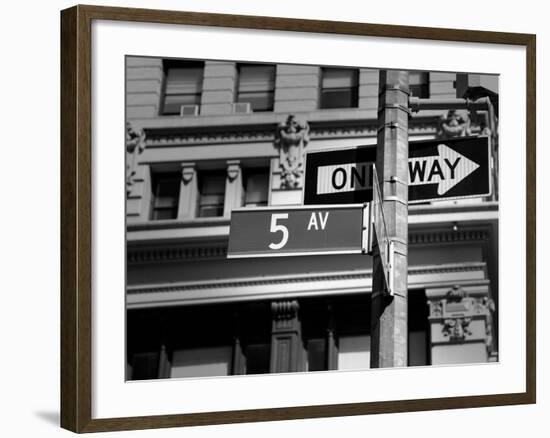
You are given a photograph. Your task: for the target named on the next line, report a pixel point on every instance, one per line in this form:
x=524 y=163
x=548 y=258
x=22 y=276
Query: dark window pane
x=421 y=91
x=316 y=354
x=212 y=183
x=339 y=98
x=419 y=84
x=211 y=193
x=166 y=190
x=339 y=88
x=256 y=185
x=145 y=366
x=167 y=187
x=257 y=358
x=418 y=328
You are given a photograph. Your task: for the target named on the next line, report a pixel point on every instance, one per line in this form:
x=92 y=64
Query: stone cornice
x=219 y=250
x=249 y=282
x=209 y=135
x=297 y=285
x=299 y=278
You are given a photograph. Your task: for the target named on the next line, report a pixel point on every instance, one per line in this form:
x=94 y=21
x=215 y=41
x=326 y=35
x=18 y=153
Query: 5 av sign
x=287 y=231
x=438 y=169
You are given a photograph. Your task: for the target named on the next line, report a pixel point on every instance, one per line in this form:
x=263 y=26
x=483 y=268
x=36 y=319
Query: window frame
x=247 y=172
x=222 y=172
x=423 y=84
x=325 y=91
x=182 y=64
x=156 y=178
x=269 y=87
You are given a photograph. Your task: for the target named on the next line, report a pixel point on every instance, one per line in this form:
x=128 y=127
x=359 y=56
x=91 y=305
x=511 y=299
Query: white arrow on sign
x=446 y=169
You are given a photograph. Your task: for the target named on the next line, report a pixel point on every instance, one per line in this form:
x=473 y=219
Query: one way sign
x=438 y=169
x=449 y=169
x=446 y=169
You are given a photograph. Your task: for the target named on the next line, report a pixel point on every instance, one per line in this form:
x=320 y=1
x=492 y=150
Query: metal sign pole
x=389 y=312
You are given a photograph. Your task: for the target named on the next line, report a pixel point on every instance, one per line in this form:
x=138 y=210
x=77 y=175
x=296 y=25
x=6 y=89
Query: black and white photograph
x=275 y=219
x=308 y=218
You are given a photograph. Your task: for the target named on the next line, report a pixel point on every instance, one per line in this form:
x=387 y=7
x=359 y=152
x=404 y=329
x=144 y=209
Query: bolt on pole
x=389 y=313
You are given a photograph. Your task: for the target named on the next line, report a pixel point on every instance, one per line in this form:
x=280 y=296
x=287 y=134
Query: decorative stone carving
x=291 y=139
x=454 y=124
x=286 y=343
x=436 y=309
x=187 y=172
x=323 y=130
x=456 y=294
x=284 y=312
x=135 y=145
x=457 y=328
x=484 y=305
x=233 y=170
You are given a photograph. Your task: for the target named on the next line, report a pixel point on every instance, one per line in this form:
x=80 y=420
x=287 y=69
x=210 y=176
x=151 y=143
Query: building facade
x=205 y=137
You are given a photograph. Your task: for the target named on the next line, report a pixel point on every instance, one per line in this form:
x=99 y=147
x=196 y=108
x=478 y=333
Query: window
x=257 y=355
x=211 y=193
x=316 y=354
x=339 y=88
x=352 y=324
x=419 y=84
x=256 y=86
x=166 y=192
x=256 y=187
x=255 y=337
x=336 y=334
x=198 y=341
x=182 y=86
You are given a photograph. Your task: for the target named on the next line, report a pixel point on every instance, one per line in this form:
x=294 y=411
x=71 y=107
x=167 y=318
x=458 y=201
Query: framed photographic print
x=268 y=219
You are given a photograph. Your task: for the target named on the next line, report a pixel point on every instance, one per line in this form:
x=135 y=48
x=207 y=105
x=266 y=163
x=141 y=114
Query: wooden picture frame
x=76 y=218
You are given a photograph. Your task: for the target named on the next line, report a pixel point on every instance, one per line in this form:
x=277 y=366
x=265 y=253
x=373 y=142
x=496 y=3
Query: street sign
x=340 y=176
x=380 y=233
x=449 y=169
x=299 y=230
x=438 y=170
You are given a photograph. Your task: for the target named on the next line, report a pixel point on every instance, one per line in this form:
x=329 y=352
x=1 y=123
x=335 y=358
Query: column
x=286 y=338
x=233 y=187
x=189 y=192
